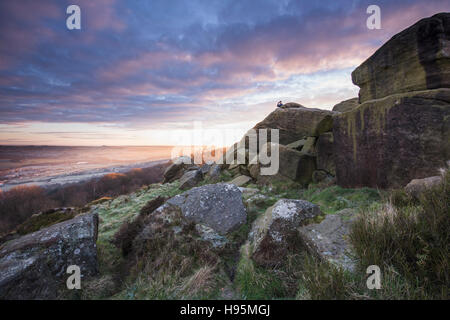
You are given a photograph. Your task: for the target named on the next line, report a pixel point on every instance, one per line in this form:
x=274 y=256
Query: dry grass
x=413 y=238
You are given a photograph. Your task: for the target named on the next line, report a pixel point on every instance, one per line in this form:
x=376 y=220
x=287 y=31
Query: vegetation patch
x=412 y=239
x=45 y=219
x=335 y=198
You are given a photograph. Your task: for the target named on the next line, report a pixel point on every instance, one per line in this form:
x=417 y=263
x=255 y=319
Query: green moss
x=43 y=220
x=411 y=237
x=256 y=283
x=335 y=198
x=114 y=213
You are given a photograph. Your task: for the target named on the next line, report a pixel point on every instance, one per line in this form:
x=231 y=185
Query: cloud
x=138 y=63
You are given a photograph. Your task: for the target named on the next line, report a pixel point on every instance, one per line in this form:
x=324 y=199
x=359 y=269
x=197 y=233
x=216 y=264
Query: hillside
x=365 y=184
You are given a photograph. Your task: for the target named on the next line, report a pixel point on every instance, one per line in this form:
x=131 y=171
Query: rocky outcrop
x=390 y=141
x=274 y=234
x=415 y=59
x=328 y=239
x=346 y=105
x=297 y=123
x=34 y=266
x=401 y=131
x=299 y=129
x=218 y=206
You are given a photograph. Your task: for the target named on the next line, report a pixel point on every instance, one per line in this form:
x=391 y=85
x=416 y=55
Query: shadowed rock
x=325 y=153
x=388 y=142
x=34 y=266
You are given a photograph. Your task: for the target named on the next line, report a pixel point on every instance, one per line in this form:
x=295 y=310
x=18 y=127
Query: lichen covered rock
x=218 y=206
x=274 y=234
x=328 y=239
x=34 y=266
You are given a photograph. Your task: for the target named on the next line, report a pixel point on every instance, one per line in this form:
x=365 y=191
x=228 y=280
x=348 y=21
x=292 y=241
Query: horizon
x=145 y=74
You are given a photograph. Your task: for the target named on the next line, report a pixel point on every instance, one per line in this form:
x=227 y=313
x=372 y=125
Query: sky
x=165 y=72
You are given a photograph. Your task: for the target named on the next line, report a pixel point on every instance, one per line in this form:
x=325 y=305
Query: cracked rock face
x=218 y=206
x=34 y=266
x=388 y=142
x=274 y=234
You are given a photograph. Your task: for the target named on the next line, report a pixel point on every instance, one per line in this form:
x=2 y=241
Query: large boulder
x=390 y=141
x=417 y=58
x=274 y=233
x=34 y=266
x=328 y=240
x=297 y=123
x=346 y=105
x=218 y=206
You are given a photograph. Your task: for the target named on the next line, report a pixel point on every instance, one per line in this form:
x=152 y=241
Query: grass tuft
x=413 y=239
